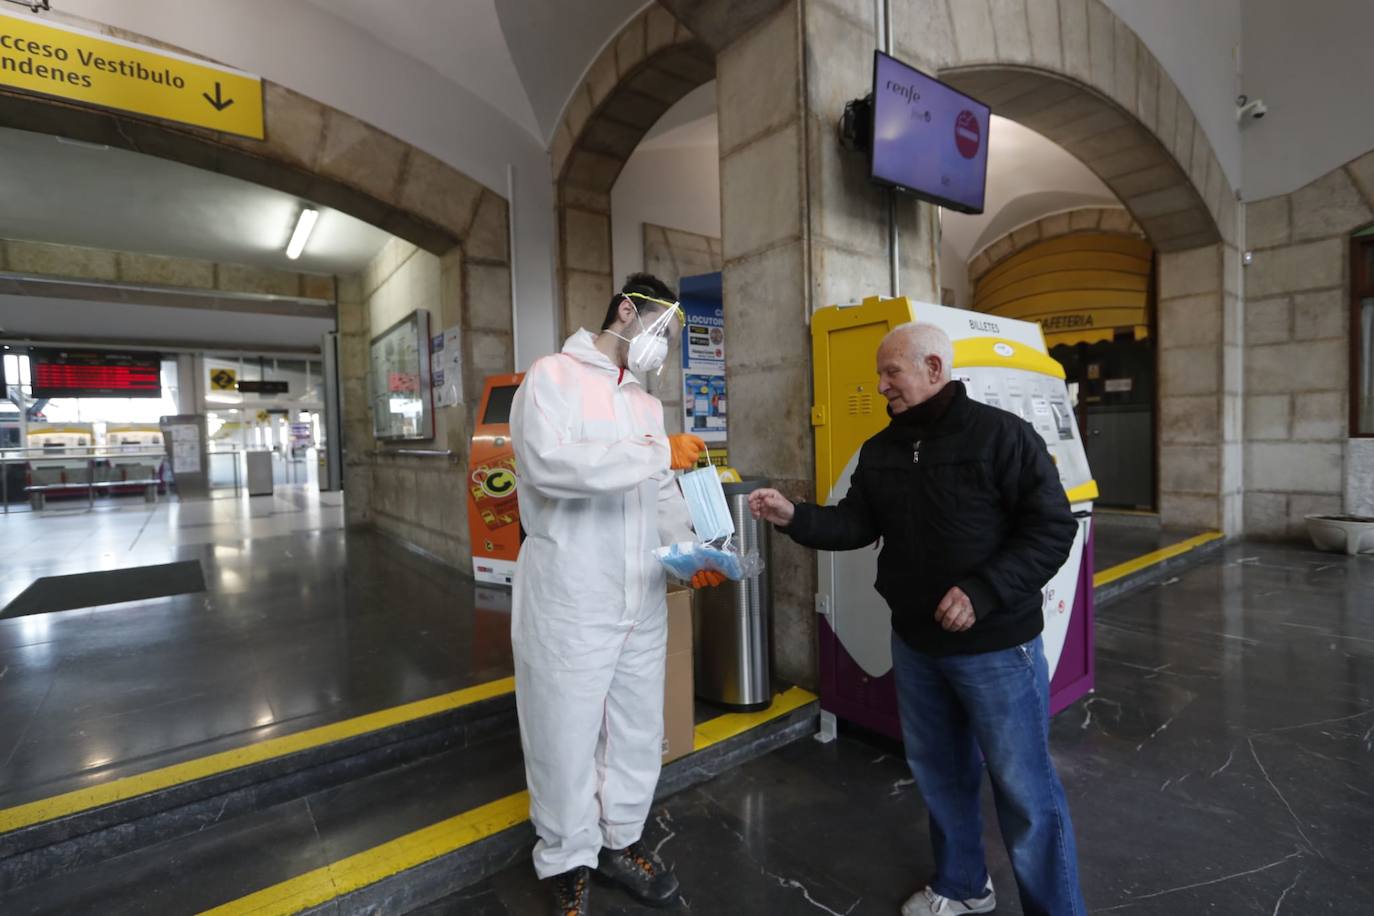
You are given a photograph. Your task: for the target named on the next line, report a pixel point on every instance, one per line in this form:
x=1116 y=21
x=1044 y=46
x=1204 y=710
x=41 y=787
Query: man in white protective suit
x=589 y=619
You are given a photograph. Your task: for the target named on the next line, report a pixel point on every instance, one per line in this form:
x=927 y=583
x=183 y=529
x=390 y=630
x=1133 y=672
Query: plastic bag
x=687 y=558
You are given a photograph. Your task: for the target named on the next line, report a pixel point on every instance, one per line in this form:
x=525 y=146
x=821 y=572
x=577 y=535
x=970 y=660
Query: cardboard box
x=679 y=719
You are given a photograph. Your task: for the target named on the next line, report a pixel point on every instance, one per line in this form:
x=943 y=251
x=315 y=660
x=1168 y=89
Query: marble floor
x=1225 y=765
x=301 y=624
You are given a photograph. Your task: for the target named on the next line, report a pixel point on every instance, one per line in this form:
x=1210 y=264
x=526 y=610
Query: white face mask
x=649 y=347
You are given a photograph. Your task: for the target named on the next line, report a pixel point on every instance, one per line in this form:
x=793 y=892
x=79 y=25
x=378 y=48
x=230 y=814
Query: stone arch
x=647 y=68
x=1077 y=74
x=1100 y=220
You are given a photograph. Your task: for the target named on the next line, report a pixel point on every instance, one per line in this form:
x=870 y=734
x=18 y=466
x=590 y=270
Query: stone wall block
x=1314 y=265
x=184 y=273
x=1102 y=45
x=1190 y=321
x=361 y=156
x=1331 y=205
x=1321 y=315
x=488 y=239
x=659 y=28
x=1125 y=87
x=765 y=194
x=1320 y=416
x=240 y=278
x=1285 y=368
x=973 y=32
x=1190 y=510
x=1189 y=420
x=602 y=76
x=1269 y=321
x=777 y=415
x=1042 y=18
x=586 y=240
x=630 y=46
x=1189 y=370
x=489 y=297
x=1268 y=417
x=586 y=296
x=1011 y=30
x=1294 y=467
x=61 y=260
x=439 y=193
x=1074 y=29
x=758 y=87
x=1266 y=515
x=1188 y=273
x=1267 y=222
x=762 y=298
x=1190 y=469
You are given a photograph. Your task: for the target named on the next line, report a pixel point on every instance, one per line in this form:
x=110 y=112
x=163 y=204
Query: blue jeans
x=953 y=706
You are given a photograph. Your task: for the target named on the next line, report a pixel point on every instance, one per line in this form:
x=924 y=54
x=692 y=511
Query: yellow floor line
x=414 y=849
x=1113 y=573
x=154 y=780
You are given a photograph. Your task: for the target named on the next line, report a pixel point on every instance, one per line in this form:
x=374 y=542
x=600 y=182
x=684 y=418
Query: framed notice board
x=402 y=403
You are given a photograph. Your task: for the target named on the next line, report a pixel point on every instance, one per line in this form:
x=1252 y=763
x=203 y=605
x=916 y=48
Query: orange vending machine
x=493 y=511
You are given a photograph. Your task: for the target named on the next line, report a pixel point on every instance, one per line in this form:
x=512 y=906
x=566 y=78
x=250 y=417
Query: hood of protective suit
x=582 y=347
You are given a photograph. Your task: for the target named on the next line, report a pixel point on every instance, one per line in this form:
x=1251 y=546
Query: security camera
x=1248 y=109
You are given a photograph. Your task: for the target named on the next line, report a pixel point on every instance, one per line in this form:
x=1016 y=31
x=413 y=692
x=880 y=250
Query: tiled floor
x=300 y=625
x=1225 y=765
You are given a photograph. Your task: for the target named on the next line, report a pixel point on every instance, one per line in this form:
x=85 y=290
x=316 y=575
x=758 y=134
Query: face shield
x=650 y=346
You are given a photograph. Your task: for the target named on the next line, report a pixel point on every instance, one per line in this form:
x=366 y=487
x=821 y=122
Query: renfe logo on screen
x=928 y=139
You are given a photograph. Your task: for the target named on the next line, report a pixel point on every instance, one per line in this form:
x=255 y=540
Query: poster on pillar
x=703 y=358
x=446 y=367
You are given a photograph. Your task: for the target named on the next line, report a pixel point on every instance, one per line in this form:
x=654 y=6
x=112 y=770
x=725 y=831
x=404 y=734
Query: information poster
x=185 y=449
x=400 y=380
x=703 y=376
x=446 y=367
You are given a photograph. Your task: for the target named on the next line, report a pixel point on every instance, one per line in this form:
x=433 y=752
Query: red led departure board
x=94 y=374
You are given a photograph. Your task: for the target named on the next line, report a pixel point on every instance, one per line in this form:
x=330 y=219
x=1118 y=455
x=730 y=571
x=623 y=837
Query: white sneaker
x=928 y=903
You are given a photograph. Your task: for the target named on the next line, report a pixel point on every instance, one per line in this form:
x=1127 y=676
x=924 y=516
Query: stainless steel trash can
x=732 y=621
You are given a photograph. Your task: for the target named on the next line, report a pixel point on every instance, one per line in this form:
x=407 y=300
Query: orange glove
x=686 y=449
x=707 y=577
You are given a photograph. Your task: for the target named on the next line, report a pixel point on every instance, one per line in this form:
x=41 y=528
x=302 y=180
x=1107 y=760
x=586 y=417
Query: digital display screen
x=94 y=374
x=498 y=405
x=928 y=139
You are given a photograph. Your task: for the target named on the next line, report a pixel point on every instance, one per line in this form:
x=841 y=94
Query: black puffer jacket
x=981 y=507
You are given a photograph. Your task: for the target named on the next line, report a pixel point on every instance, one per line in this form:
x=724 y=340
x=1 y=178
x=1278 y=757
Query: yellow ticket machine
x=1003 y=363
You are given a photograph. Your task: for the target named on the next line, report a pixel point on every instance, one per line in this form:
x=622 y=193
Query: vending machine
x=493 y=509
x=1003 y=363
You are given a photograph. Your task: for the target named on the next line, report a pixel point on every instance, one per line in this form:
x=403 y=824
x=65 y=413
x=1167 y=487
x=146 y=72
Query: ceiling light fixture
x=304 y=224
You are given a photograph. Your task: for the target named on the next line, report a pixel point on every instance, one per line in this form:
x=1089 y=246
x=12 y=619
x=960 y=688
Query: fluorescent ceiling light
x=304 y=225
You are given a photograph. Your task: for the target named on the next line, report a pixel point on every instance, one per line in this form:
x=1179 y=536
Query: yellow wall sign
x=222 y=379
x=74 y=64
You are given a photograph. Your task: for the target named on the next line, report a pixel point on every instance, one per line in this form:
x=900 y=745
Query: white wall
x=321 y=56
x=678 y=187
x=1311 y=62
x=1196 y=42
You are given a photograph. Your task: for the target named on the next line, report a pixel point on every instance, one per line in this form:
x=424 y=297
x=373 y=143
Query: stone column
x=802 y=229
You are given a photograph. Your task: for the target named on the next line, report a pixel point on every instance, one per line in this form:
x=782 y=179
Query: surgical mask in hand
x=706 y=503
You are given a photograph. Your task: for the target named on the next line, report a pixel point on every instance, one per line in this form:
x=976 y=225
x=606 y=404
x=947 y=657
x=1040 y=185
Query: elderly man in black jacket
x=973 y=522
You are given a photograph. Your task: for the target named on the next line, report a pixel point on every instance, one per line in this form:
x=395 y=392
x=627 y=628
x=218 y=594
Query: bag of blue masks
x=715 y=549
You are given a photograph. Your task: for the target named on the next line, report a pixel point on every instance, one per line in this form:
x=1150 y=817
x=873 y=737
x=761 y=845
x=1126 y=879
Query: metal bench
x=38 y=493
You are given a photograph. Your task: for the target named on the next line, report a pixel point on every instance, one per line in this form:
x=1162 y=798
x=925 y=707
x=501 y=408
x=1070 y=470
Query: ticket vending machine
x=493 y=510
x=1003 y=363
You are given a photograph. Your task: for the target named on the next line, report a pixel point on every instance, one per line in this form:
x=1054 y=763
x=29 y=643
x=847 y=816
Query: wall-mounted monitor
x=95 y=374
x=928 y=139
x=401 y=399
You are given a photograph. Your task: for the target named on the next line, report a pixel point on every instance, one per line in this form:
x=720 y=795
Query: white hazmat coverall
x=589 y=619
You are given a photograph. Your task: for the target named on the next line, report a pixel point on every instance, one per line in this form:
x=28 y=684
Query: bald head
x=914 y=362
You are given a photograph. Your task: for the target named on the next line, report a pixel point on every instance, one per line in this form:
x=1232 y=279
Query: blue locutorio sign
x=703 y=357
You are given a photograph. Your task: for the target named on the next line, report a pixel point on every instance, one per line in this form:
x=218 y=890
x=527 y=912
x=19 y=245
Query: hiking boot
x=928 y=903
x=572 y=892
x=640 y=873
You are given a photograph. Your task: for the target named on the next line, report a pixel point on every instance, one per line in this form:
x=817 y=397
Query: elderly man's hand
x=955 y=612
x=772 y=507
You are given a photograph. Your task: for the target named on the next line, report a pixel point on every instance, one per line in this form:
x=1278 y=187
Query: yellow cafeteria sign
x=75 y=64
